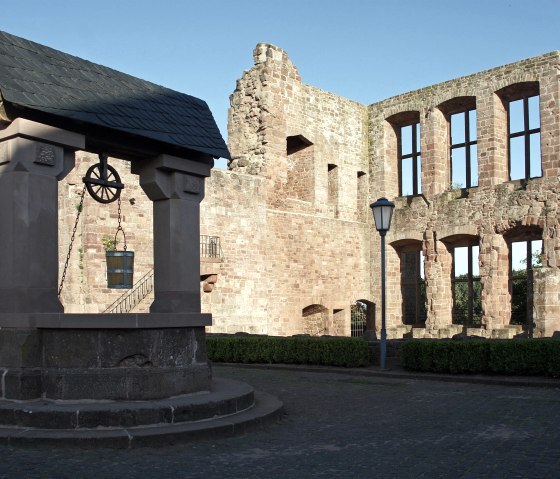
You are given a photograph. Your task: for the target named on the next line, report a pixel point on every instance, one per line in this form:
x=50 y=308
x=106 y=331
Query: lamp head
x=382 y=211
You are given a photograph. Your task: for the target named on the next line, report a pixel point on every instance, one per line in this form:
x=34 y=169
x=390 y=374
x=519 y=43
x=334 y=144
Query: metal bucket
x=120 y=269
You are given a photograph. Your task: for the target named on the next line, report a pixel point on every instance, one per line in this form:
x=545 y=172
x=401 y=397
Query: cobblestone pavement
x=343 y=426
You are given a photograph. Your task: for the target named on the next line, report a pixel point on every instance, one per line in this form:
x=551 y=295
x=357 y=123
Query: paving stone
x=339 y=424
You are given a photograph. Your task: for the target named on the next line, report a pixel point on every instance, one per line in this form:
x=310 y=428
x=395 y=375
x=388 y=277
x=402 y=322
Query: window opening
x=524 y=138
x=466 y=287
x=463 y=146
x=333 y=187
x=300 y=184
x=410 y=162
x=413 y=287
x=361 y=196
x=524 y=258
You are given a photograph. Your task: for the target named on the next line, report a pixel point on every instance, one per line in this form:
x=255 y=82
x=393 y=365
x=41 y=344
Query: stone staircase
x=230 y=407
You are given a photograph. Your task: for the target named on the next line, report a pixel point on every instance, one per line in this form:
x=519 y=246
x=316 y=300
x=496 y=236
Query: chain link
x=80 y=208
x=119 y=227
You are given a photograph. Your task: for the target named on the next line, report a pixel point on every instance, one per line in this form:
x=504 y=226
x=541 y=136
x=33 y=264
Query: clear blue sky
x=365 y=50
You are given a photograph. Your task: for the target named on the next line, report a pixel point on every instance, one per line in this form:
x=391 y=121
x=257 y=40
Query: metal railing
x=131 y=298
x=210 y=247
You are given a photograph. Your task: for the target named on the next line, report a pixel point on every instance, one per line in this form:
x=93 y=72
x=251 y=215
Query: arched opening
x=315 y=320
x=362 y=318
x=412 y=282
x=522 y=104
x=466 y=289
x=525 y=247
x=407 y=151
x=460 y=113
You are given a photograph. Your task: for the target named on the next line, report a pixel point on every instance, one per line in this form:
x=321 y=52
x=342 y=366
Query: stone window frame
x=469 y=242
x=407 y=247
x=462 y=106
x=521 y=91
x=399 y=121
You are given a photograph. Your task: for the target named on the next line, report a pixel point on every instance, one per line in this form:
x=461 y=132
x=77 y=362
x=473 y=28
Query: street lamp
x=382 y=213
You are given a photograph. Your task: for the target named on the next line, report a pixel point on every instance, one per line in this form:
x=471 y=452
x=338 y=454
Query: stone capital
x=171 y=177
x=38 y=149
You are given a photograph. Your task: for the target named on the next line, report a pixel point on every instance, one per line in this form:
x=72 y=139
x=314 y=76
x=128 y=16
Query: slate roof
x=35 y=79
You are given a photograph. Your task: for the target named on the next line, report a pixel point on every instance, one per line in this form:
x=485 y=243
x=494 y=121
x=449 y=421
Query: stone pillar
x=492 y=140
x=546 y=298
x=546 y=301
x=435 y=152
x=176 y=186
x=550 y=123
x=33 y=158
x=393 y=294
x=437 y=271
x=494 y=277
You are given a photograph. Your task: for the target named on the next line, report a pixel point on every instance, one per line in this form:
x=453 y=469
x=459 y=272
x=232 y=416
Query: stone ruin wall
x=293 y=246
x=490 y=211
x=298 y=241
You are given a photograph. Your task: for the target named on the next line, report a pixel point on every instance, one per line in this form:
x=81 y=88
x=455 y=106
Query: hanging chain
x=80 y=208
x=119 y=227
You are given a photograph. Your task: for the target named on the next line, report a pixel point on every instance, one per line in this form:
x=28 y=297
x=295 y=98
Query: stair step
x=231 y=408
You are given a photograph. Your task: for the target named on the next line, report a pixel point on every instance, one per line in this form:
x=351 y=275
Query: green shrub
x=347 y=352
x=505 y=357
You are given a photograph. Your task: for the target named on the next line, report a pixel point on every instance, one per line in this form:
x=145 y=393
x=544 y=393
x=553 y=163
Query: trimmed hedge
x=347 y=352
x=524 y=357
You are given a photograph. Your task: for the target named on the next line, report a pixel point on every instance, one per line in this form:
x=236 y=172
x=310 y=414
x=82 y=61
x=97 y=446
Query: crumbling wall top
x=268 y=53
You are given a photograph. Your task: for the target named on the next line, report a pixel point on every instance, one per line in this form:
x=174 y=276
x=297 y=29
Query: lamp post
x=382 y=211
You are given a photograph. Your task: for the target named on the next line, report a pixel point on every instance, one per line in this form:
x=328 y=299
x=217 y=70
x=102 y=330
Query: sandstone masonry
x=291 y=211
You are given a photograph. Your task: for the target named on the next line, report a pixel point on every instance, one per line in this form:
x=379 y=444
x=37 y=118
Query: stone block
x=20 y=348
x=22 y=383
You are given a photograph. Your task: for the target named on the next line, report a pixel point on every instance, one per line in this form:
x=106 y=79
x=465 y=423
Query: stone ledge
x=225 y=397
x=104 y=321
x=266 y=408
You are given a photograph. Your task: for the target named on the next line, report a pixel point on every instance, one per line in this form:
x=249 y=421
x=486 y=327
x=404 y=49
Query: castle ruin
x=472 y=165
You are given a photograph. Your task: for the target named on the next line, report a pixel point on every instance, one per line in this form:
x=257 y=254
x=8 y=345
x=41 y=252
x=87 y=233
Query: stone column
x=492 y=140
x=494 y=277
x=437 y=271
x=33 y=158
x=546 y=298
x=176 y=187
x=550 y=122
x=435 y=152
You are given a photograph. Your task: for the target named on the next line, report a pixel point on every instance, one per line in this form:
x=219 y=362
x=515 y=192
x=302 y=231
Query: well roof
x=114 y=110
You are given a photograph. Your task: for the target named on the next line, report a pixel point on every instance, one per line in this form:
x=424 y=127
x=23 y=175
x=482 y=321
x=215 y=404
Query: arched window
x=466 y=290
x=463 y=150
x=413 y=285
x=524 y=130
x=407 y=129
x=525 y=253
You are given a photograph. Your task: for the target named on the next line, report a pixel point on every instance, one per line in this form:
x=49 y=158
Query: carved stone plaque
x=45 y=155
x=192 y=184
